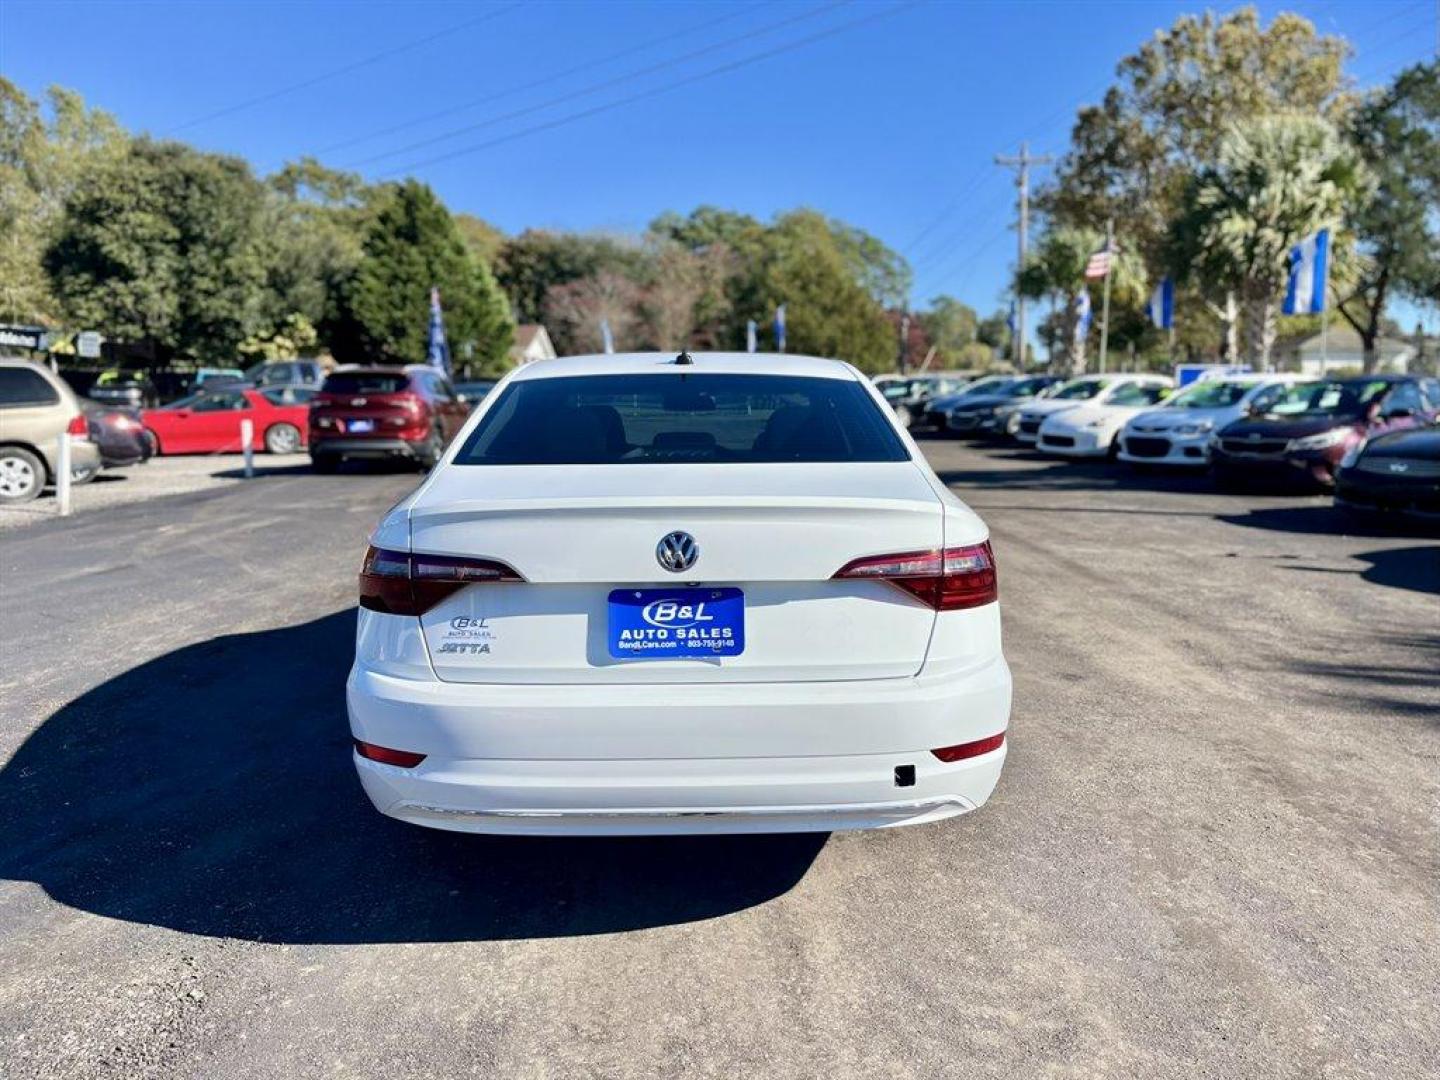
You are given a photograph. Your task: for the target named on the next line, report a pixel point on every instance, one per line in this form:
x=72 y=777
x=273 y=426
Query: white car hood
x=1107 y=415
x=1050 y=407
x=1169 y=419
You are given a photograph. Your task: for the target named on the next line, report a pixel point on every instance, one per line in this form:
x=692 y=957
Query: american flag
x=1099 y=264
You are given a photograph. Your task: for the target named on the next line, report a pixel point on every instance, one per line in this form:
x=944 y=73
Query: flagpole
x=1105 y=293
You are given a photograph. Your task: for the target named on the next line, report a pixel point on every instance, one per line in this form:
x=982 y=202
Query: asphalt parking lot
x=1214 y=851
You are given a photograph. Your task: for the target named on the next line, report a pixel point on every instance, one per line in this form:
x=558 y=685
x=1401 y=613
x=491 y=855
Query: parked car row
x=1373 y=439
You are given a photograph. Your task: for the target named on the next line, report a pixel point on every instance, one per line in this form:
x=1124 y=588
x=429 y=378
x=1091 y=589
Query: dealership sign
x=34 y=338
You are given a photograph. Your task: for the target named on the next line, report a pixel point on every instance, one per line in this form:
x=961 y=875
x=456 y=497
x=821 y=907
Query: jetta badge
x=1399 y=466
x=677 y=551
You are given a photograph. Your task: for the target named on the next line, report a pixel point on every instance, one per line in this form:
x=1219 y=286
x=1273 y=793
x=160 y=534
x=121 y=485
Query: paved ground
x=1213 y=853
x=141 y=483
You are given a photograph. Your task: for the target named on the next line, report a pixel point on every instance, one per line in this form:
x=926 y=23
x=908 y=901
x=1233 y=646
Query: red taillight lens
x=400 y=583
x=383 y=754
x=78 y=425
x=949 y=580
x=965 y=750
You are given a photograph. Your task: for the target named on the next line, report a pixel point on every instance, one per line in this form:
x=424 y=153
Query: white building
x=1344 y=351
x=531 y=343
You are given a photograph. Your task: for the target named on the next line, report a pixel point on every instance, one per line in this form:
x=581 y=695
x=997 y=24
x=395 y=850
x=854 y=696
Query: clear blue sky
x=890 y=123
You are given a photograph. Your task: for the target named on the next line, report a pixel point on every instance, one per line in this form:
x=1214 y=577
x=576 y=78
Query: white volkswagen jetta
x=646 y=593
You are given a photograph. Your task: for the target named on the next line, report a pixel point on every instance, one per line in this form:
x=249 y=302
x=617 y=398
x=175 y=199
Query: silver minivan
x=36 y=409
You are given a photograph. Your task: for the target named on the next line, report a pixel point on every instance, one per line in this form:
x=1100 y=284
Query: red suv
x=384 y=412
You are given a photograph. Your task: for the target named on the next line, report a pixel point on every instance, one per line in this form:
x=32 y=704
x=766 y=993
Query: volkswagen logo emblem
x=677 y=551
x=1399 y=466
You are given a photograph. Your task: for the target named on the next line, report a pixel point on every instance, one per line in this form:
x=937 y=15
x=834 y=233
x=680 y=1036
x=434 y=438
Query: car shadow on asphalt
x=211 y=791
x=1051 y=474
x=304 y=468
x=1329 y=520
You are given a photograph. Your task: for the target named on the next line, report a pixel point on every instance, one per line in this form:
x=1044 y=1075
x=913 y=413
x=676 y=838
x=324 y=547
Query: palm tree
x=1276 y=181
x=1056 y=270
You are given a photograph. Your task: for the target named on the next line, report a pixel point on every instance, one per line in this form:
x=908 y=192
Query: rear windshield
x=638 y=419
x=365 y=382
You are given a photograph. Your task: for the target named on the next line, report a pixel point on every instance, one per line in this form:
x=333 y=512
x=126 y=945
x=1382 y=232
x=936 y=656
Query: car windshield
x=1079 y=390
x=1024 y=387
x=994 y=385
x=704 y=417
x=1136 y=394
x=365 y=382
x=1326 y=398
x=1210 y=394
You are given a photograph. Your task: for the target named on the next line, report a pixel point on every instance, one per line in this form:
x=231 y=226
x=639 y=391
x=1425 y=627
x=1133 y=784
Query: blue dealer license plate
x=359 y=427
x=669 y=624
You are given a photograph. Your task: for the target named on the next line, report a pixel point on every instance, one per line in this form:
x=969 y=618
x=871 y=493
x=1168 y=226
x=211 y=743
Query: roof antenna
x=684 y=358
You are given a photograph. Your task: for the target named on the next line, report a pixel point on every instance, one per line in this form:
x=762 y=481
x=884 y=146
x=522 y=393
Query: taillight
x=949 y=580
x=79 y=426
x=400 y=583
x=964 y=750
x=406 y=759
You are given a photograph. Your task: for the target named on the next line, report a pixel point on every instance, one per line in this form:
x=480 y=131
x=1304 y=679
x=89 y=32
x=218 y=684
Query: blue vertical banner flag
x=1160 y=309
x=1309 y=275
x=607 y=339
x=437 y=352
x=780 y=328
x=1010 y=319
x=1082 y=314
x=750 y=335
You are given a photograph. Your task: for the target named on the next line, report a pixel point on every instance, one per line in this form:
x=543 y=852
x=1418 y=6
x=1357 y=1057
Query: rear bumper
x=360 y=446
x=688 y=758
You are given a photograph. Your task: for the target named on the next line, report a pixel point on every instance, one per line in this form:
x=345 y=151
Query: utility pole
x=903 y=359
x=1105 y=290
x=1022 y=165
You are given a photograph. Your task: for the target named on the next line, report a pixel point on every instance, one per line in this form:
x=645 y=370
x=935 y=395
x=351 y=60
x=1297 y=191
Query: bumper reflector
x=965 y=750
x=383 y=754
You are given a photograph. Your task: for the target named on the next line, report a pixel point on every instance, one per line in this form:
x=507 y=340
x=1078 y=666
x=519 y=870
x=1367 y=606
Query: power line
x=345 y=70
x=525 y=87
x=655 y=91
x=604 y=84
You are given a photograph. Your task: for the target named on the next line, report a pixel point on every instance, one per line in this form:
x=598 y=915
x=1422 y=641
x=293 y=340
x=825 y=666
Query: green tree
x=828 y=311
x=1277 y=181
x=1397 y=133
x=1056 y=270
x=482 y=239
x=1132 y=156
x=951 y=326
x=530 y=264
x=314 y=225
x=164 y=245
x=42 y=160
x=411 y=244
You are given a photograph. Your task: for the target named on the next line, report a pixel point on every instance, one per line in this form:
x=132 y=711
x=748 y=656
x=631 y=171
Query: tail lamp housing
x=411 y=583
x=79 y=426
x=964 y=751
x=949 y=580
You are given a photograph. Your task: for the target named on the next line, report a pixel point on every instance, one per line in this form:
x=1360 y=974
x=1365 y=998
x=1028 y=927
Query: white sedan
x=1178 y=433
x=656 y=594
x=1087 y=389
x=1091 y=429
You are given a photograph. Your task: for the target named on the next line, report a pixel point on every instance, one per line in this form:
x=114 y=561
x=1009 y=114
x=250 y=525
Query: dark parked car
x=1397 y=472
x=391 y=412
x=285 y=373
x=118 y=433
x=1303 y=434
x=128 y=389
x=995 y=410
x=472 y=391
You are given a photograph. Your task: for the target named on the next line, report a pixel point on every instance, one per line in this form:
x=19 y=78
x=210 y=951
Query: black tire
x=282 y=438
x=83 y=474
x=22 y=475
x=325 y=464
x=154 y=441
x=430 y=453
